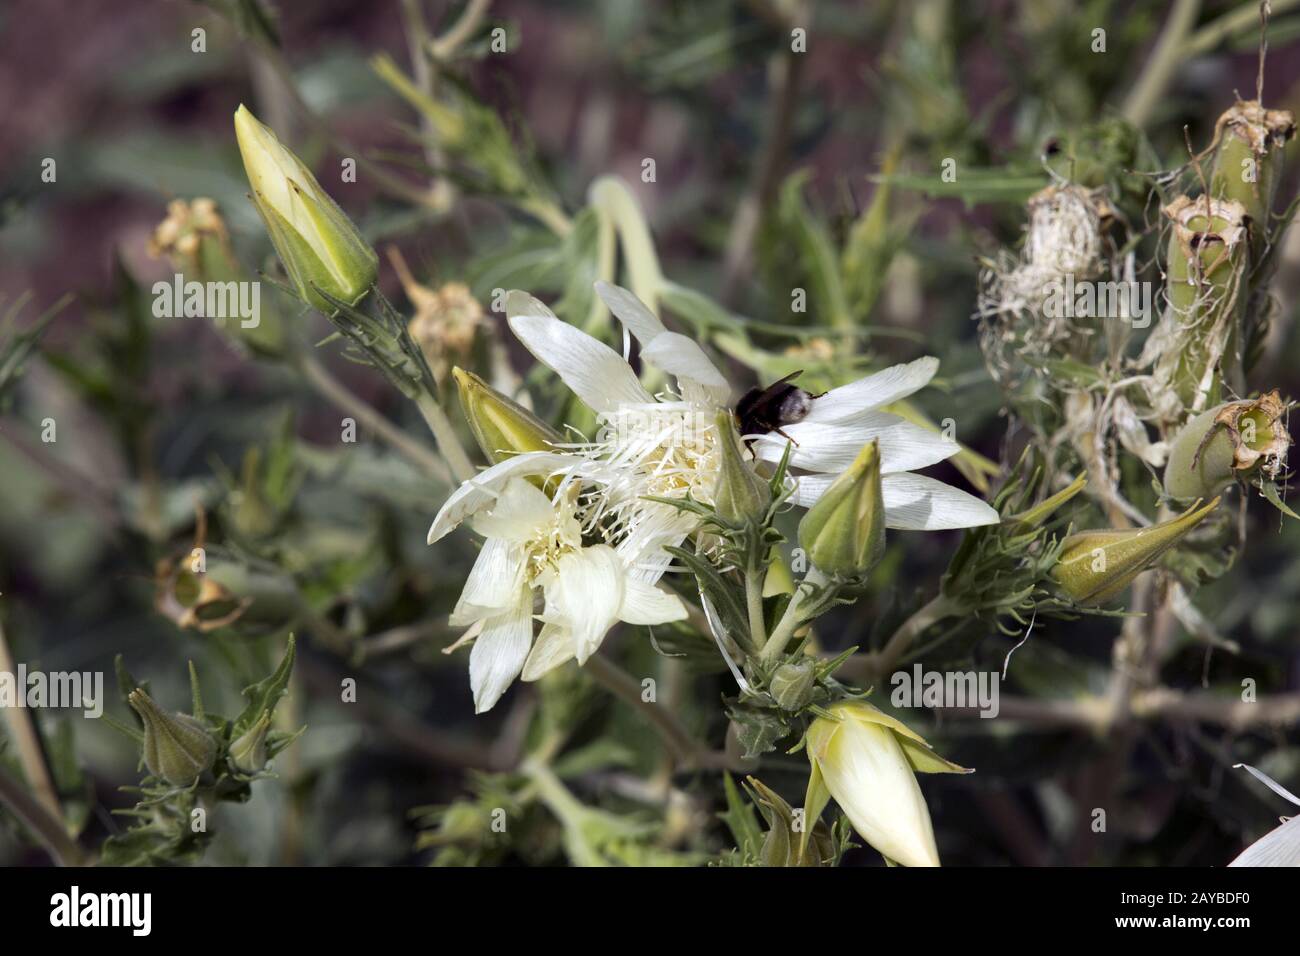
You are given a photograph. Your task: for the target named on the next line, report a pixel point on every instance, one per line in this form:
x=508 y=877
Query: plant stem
x=791 y=619
x=338 y=394
x=883 y=661
x=1167 y=56
x=754 y=604
x=445 y=435
x=46 y=827
x=30 y=754
x=627 y=689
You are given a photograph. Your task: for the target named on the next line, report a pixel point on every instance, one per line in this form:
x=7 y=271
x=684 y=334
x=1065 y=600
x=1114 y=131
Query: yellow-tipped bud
x=868 y=762
x=741 y=493
x=1096 y=566
x=844 y=531
x=501 y=426
x=320 y=247
x=177 y=747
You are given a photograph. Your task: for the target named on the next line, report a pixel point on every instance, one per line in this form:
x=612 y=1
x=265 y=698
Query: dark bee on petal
x=762 y=410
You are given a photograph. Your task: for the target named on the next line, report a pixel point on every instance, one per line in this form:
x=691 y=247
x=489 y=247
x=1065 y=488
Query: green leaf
x=264 y=695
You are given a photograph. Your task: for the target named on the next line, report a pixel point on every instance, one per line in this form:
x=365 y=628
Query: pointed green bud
x=1034 y=517
x=1235 y=440
x=741 y=493
x=248 y=751
x=792 y=685
x=1096 y=566
x=318 y=244
x=501 y=426
x=177 y=748
x=844 y=531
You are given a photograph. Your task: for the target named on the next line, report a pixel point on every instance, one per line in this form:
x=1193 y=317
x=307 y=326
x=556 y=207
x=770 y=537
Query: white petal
x=554 y=647
x=912 y=502
x=1277 y=847
x=518 y=513
x=679 y=356
x=521 y=303
x=918 y=503
x=874 y=391
x=646 y=604
x=584 y=596
x=483 y=489
x=833 y=447
x=631 y=311
x=493 y=582
x=592 y=370
x=683 y=359
x=500 y=651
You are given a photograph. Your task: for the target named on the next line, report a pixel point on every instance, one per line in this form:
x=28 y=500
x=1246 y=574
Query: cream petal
x=865 y=770
x=833 y=447
x=593 y=371
x=584 y=596
x=646 y=604
x=554 y=647
x=674 y=353
x=880 y=388
x=483 y=489
x=500 y=652
x=493 y=582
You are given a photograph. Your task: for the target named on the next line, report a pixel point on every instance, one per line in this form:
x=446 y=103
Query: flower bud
x=177 y=748
x=844 y=531
x=320 y=247
x=248 y=751
x=741 y=493
x=1096 y=566
x=868 y=762
x=501 y=425
x=792 y=685
x=1234 y=440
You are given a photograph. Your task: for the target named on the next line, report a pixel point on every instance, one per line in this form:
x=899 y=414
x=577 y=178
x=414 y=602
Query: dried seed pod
x=1232 y=441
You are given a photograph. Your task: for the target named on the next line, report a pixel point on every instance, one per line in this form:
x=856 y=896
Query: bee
x=762 y=410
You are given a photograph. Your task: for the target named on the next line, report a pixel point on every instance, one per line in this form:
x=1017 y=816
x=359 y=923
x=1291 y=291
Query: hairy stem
x=626 y=688
x=339 y=395
x=884 y=660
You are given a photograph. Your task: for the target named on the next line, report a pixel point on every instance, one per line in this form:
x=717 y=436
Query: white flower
x=533 y=542
x=660 y=446
x=666 y=446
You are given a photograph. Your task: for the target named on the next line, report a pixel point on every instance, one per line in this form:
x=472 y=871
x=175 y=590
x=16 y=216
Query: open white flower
x=533 y=542
x=665 y=446
x=656 y=446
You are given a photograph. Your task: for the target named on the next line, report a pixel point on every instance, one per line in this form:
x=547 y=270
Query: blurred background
x=764 y=159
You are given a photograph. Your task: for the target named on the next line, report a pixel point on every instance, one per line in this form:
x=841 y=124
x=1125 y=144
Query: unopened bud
x=844 y=531
x=1096 y=566
x=501 y=426
x=792 y=685
x=741 y=493
x=177 y=747
x=321 y=248
x=248 y=751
